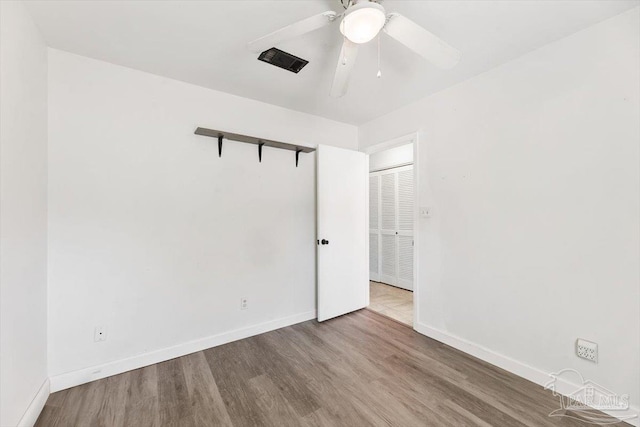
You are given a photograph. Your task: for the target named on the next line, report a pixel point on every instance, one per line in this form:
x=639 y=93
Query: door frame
x=411 y=138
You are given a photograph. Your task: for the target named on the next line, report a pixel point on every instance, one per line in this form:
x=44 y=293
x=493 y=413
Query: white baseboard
x=82 y=376
x=515 y=367
x=35 y=407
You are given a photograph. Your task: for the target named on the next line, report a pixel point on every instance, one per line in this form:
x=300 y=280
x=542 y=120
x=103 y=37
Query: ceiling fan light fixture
x=363 y=21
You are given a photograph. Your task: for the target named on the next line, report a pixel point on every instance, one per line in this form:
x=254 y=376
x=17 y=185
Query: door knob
x=324 y=242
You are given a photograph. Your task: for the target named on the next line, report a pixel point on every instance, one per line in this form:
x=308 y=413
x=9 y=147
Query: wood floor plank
x=329 y=380
x=52 y=409
x=361 y=369
x=48 y=416
x=205 y=400
x=425 y=381
x=112 y=407
x=173 y=396
x=318 y=418
x=94 y=395
x=366 y=392
x=427 y=403
x=232 y=371
x=278 y=368
x=70 y=410
x=272 y=403
x=142 y=406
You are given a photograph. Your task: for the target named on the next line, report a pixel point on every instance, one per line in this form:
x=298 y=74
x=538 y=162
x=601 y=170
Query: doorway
x=391 y=229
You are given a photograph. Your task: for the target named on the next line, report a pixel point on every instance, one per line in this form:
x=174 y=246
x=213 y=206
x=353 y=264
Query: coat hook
x=297 y=156
x=220 y=145
x=260 y=151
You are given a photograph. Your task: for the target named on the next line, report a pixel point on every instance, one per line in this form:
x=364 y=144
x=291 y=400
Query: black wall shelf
x=220 y=135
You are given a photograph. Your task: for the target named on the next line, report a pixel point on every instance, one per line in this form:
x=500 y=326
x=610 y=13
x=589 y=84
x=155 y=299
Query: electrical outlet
x=100 y=333
x=244 y=303
x=425 y=212
x=587 y=350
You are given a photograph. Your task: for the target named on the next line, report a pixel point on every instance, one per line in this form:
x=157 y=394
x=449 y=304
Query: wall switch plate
x=244 y=303
x=100 y=333
x=425 y=212
x=587 y=350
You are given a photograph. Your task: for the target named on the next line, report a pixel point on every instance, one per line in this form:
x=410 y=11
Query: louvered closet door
x=374 y=227
x=391 y=196
x=388 y=225
x=405 y=227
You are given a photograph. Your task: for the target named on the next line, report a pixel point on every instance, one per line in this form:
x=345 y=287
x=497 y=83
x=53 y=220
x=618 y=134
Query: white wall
x=393 y=157
x=23 y=216
x=153 y=235
x=532 y=173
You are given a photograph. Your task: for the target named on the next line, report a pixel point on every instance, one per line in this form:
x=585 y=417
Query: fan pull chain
x=379 y=72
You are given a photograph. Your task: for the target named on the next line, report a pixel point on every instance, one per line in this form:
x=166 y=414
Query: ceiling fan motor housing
x=363 y=21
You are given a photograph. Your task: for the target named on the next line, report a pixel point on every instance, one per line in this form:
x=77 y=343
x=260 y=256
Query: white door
x=342 y=227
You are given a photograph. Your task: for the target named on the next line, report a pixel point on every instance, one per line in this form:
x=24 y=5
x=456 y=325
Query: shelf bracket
x=220 y=145
x=260 y=151
x=297 y=156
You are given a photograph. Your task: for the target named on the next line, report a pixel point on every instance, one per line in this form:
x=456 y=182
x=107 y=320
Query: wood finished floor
x=361 y=369
x=392 y=302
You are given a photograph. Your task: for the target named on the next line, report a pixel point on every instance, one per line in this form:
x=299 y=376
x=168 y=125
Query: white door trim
x=393 y=143
x=397 y=142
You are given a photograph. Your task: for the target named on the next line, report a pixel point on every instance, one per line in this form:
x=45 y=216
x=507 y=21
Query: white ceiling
x=204 y=43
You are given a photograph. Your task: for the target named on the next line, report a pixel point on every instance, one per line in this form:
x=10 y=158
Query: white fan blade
x=421 y=41
x=346 y=61
x=292 y=31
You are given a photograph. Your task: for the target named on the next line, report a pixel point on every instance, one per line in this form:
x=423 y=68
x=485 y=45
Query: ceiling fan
x=361 y=22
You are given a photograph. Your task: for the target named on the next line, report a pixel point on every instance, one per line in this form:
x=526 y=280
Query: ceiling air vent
x=283 y=60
